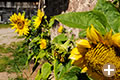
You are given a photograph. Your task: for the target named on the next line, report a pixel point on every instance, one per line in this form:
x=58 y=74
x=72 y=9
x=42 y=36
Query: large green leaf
x=111 y=13
x=60 y=69
x=71 y=74
x=84 y=19
x=74 y=73
x=60 y=39
x=46 y=70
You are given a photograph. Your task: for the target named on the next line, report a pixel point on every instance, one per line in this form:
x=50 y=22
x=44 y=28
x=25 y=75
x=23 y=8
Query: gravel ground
x=8 y=36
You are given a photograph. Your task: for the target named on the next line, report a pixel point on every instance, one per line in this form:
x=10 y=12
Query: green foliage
x=71 y=74
x=55 y=56
x=60 y=69
x=18 y=61
x=45 y=72
x=82 y=33
x=4 y=25
x=104 y=17
x=84 y=19
x=111 y=13
x=60 y=39
x=3 y=63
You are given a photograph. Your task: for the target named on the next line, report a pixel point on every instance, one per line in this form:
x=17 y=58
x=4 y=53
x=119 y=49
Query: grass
x=17 y=63
x=19 y=37
x=4 y=63
x=18 y=78
x=5 y=50
x=4 y=25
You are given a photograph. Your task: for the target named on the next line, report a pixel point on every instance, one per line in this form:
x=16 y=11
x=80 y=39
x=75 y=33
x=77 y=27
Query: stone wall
x=55 y=7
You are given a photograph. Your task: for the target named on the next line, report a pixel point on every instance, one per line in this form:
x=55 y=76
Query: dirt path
x=7 y=36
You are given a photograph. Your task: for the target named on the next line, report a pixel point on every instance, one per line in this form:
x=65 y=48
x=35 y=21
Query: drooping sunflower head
x=97 y=51
x=20 y=23
x=43 y=44
x=38 y=19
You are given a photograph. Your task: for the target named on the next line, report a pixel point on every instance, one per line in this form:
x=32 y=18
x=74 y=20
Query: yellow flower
x=13 y=18
x=83 y=43
x=60 y=29
x=94 y=35
x=75 y=54
x=96 y=52
x=38 y=19
x=43 y=44
x=20 y=24
x=116 y=39
x=84 y=70
x=108 y=39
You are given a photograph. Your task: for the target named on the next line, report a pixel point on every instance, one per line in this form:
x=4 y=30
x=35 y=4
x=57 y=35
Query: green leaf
x=69 y=76
x=75 y=69
x=38 y=76
x=51 y=21
x=60 y=69
x=82 y=33
x=23 y=14
x=34 y=17
x=41 y=54
x=30 y=56
x=36 y=39
x=84 y=19
x=60 y=39
x=111 y=13
x=46 y=70
x=72 y=74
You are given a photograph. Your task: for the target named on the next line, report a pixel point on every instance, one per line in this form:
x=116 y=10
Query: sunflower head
x=38 y=19
x=43 y=44
x=20 y=23
x=97 y=51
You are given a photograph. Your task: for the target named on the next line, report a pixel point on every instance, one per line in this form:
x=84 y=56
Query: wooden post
x=39 y=4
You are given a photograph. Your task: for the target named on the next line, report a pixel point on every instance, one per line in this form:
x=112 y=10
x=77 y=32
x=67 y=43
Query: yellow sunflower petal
x=38 y=19
x=75 y=51
x=60 y=29
x=85 y=69
x=116 y=39
x=88 y=34
x=93 y=35
x=75 y=56
x=40 y=13
x=43 y=44
x=108 y=38
x=83 y=43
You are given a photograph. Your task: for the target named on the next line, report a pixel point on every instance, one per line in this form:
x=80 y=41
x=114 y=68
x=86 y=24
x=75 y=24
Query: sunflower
x=43 y=44
x=97 y=51
x=38 y=19
x=20 y=23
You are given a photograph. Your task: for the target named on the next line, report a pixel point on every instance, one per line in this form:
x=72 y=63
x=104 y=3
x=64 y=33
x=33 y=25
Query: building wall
x=8 y=8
